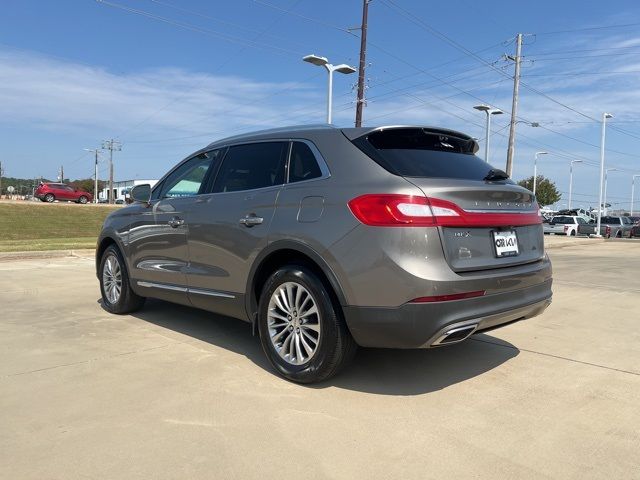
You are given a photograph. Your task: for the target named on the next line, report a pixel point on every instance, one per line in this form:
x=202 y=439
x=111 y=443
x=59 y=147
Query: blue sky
x=166 y=77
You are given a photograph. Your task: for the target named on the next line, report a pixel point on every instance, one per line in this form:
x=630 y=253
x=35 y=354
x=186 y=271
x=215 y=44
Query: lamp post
x=606 y=176
x=324 y=62
x=633 y=187
x=489 y=111
x=535 y=170
x=571 y=179
x=604 y=124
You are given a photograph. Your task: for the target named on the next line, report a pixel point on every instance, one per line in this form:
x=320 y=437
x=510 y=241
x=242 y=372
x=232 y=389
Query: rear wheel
x=302 y=333
x=49 y=198
x=117 y=295
x=83 y=199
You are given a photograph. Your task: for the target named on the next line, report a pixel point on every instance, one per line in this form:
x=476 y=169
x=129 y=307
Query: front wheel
x=49 y=198
x=117 y=295
x=83 y=200
x=302 y=332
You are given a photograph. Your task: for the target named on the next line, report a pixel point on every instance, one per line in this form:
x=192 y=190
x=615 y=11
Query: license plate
x=506 y=243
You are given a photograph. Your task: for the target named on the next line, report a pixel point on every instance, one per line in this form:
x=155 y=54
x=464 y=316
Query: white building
x=121 y=189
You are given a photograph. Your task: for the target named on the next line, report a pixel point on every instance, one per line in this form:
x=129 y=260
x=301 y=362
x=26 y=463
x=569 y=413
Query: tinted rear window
x=417 y=152
x=610 y=220
x=563 y=220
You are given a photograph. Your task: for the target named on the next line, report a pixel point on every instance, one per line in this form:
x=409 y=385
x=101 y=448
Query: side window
x=255 y=165
x=187 y=179
x=303 y=164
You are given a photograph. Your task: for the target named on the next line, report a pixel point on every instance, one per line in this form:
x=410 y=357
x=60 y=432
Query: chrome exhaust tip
x=455 y=335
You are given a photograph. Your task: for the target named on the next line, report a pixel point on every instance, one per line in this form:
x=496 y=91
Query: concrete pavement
x=173 y=392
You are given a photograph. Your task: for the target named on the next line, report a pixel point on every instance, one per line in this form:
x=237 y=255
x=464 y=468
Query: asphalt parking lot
x=173 y=392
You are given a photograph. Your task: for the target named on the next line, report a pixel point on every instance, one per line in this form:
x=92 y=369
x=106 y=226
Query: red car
x=49 y=192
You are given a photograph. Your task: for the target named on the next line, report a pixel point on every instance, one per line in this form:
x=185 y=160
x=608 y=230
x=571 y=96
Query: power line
x=204 y=31
x=585 y=29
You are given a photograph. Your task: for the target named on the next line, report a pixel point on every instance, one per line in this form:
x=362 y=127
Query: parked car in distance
x=616 y=227
x=564 y=225
x=577 y=212
x=50 y=192
x=324 y=239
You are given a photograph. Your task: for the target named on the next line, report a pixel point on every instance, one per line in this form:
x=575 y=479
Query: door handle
x=175 y=222
x=251 y=220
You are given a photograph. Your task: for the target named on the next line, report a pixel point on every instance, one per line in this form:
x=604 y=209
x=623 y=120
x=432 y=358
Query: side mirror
x=141 y=193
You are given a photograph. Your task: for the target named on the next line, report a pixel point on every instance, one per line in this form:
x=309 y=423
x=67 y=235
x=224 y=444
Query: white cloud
x=66 y=96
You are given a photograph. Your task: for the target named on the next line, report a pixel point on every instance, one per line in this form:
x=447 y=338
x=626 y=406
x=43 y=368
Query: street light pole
x=324 y=62
x=571 y=180
x=606 y=176
x=489 y=111
x=535 y=170
x=604 y=123
x=633 y=186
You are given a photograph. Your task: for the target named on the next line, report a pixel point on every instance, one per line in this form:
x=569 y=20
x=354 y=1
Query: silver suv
x=325 y=238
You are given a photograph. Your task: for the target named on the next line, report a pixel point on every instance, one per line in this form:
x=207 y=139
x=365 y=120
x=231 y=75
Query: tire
x=324 y=345
x=573 y=233
x=83 y=200
x=49 y=198
x=619 y=234
x=117 y=295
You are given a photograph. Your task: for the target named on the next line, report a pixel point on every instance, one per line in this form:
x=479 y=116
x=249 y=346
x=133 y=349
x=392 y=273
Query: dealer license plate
x=506 y=243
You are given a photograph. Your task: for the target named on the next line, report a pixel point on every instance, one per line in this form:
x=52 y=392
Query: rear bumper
x=422 y=325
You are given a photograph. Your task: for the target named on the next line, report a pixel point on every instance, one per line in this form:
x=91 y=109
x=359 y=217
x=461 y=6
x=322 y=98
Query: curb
x=41 y=254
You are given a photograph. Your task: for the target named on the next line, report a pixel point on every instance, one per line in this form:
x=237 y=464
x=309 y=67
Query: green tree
x=87 y=185
x=546 y=191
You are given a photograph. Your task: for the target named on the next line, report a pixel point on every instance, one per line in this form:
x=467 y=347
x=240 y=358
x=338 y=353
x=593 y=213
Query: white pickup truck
x=564 y=225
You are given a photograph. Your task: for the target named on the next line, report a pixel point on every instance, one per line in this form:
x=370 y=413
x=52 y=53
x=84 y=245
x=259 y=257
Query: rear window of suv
x=419 y=152
x=563 y=220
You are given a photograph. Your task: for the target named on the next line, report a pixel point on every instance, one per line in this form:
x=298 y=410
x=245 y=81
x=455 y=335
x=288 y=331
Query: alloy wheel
x=294 y=323
x=112 y=279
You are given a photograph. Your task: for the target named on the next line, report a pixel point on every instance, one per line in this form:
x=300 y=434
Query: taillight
x=391 y=210
x=448 y=298
x=607 y=231
x=566 y=228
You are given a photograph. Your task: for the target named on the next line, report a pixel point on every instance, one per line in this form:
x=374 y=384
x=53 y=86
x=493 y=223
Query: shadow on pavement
x=378 y=371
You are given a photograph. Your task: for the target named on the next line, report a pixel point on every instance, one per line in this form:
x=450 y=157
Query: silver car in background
x=325 y=238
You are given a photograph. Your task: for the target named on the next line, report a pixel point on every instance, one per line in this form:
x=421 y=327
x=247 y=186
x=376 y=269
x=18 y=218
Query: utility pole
x=111 y=145
x=95 y=174
x=1 y=173
x=361 y=67
x=61 y=173
x=95 y=179
x=514 y=105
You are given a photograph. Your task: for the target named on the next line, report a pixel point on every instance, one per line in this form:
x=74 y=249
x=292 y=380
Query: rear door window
x=251 y=166
x=418 y=152
x=303 y=164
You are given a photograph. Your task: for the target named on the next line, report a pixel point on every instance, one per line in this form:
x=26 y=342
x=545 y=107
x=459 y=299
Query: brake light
x=391 y=210
x=566 y=228
x=448 y=298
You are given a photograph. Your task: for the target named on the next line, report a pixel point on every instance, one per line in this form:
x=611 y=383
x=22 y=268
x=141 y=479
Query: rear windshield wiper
x=496 y=174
